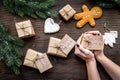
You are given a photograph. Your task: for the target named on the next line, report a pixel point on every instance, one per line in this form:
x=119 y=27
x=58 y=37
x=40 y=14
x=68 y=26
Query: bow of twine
x=34 y=60
x=66 y=12
x=41 y=59
x=57 y=47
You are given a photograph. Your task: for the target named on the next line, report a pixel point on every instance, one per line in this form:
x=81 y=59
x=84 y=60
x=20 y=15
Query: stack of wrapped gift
x=37 y=60
x=67 y=12
x=61 y=48
x=25 y=29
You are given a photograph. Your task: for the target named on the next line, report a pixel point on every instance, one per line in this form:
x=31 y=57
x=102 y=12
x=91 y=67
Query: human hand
x=83 y=53
x=97 y=53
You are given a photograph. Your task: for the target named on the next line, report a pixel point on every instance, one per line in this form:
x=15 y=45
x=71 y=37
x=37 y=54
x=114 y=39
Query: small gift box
x=54 y=49
x=66 y=44
x=60 y=47
x=25 y=29
x=37 y=60
x=92 y=42
x=67 y=12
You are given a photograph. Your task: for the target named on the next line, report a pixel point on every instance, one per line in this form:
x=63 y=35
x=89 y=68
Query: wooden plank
x=72 y=67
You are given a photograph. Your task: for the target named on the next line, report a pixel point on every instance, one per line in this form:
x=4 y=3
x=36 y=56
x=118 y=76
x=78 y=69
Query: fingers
x=84 y=56
x=89 y=32
x=82 y=52
x=86 y=51
x=78 y=52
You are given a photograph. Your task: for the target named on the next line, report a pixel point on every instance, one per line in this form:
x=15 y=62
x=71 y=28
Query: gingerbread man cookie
x=87 y=16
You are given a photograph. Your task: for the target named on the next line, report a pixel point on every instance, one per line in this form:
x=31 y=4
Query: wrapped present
x=66 y=44
x=25 y=29
x=54 y=49
x=92 y=42
x=37 y=60
x=60 y=47
x=67 y=12
x=43 y=63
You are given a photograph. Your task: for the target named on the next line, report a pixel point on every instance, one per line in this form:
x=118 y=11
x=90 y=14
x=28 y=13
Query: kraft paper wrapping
x=60 y=47
x=54 y=49
x=67 y=12
x=43 y=63
x=25 y=29
x=92 y=42
x=66 y=44
x=37 y=60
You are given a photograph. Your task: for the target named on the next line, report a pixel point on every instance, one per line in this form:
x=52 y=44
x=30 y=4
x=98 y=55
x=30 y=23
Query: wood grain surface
x=72 y=68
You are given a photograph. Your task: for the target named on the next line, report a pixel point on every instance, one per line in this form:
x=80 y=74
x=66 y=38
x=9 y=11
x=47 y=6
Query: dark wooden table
x=72 y=68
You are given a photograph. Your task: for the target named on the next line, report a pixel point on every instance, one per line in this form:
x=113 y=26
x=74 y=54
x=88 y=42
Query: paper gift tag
x=110 y=38
x=66 y=44
x=93 y=42
x=43 y=63
x=50 y=26
x=114 y=33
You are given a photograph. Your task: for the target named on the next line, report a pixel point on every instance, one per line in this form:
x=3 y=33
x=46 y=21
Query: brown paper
x=43 y=63
x=66 y=44
x=60 y=47
x=54 y=48
x=92 y=42
x=25 y=29
x=67 y=12
x=30 y=58
x=37 y=60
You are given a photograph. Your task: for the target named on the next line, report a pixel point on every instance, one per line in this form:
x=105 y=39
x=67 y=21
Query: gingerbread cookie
x=87 y=16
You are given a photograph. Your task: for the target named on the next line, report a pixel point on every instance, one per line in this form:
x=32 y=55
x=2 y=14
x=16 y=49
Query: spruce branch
x=10 y=52
x=32 y=8
x=108 y=3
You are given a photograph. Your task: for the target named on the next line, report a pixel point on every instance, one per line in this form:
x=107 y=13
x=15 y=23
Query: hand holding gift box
x=25 y=29
x=61 y=48
x=37 y=60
